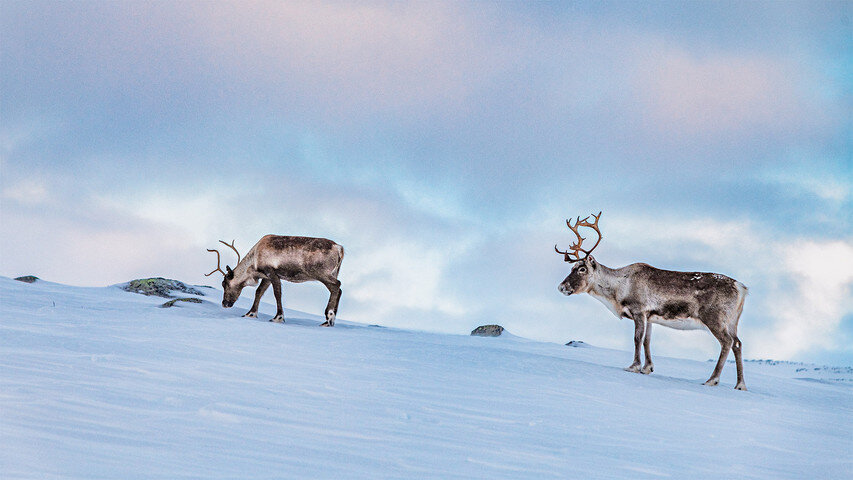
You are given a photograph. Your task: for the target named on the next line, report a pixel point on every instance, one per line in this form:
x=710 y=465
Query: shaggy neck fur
x=245 y=270
x=603 y=282
x=603 y=287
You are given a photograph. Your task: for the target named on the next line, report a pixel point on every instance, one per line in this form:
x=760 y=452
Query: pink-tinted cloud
x=722 y=94
x=348 y=58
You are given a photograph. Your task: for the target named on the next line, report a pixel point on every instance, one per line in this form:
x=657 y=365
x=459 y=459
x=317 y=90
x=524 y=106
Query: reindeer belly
x=686 y=323
x=293 y=274
x=294 y=277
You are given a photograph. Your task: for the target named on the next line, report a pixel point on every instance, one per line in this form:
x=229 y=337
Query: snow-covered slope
x=101 y=383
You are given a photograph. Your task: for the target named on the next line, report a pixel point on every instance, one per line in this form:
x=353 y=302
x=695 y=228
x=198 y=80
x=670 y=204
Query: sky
x=443 y=144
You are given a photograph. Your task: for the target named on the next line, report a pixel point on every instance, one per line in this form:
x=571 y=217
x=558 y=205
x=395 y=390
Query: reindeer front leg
x=639 y=336
x=649 y=367
x=262 y=288
x=276 y=289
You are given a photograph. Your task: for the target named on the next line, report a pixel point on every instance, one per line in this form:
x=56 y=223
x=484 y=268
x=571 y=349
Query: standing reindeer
x=646 y=295
x=275 y=258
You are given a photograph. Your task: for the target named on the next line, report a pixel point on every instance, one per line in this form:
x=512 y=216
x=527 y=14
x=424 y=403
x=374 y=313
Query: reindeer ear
x=227 y=269
x=591 y=262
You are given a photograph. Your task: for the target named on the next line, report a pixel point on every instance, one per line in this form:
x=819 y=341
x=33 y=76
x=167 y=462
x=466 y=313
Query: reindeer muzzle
x=227 y=304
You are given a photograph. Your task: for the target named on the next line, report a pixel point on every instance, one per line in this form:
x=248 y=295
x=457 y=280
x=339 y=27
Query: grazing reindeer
x=646 y=295
x=275 y=258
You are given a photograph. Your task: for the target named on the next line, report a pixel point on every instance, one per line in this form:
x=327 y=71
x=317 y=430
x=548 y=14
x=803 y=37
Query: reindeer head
x=231 y=288
x=579 y=280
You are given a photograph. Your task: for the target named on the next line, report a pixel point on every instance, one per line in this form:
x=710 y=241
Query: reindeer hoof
x=277 y=319
x=327 y=324
x=647 y=369
x=740 y=386
x=251 y=315
x=632 y=369
x=712 y=382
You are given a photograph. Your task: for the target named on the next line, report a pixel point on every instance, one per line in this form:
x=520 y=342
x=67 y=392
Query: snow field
x=101 y=383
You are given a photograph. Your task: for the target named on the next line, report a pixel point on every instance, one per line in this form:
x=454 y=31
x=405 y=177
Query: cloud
x=87 y=245
x=30 y=191
x=403 y=274
x=809 y=316
x=345 y=60
x=722 y=94
x=447 y=90
x=835 y=189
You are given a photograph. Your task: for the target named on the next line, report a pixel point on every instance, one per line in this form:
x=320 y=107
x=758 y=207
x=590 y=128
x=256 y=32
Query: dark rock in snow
x=158 y=286
x=27 y=279
x=171 y=303
x=576 y=343
x=488 y=331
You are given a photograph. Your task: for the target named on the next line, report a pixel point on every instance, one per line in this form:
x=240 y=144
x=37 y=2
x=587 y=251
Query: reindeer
x=647 y=295
x=275 y=258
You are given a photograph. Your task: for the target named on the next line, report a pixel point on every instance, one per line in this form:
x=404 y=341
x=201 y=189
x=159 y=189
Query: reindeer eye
x=582 y=270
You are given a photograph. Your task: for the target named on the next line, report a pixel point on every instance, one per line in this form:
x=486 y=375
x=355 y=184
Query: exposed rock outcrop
x=488 y=331
x=160 y=287
x=171 y=303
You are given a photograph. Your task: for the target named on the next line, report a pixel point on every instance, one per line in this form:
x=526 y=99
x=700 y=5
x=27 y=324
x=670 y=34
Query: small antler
x=575 y=248
x=218 y=268
x=235 y=250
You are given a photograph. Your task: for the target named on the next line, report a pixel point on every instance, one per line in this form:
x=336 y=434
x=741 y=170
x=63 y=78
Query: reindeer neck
x=604 y=281
x=246 y=266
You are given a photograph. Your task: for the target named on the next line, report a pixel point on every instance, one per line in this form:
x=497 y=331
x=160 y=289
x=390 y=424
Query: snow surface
x=101 y=383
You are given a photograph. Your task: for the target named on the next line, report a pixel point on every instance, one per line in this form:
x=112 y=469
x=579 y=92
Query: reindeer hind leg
x=726 y=341
x=276 y=288
x=737 y=348
x=334 y=286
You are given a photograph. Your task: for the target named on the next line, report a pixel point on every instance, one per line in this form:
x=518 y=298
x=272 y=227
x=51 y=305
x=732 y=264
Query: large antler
x=238 y=253
x=576 y=247
x=218 y=268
